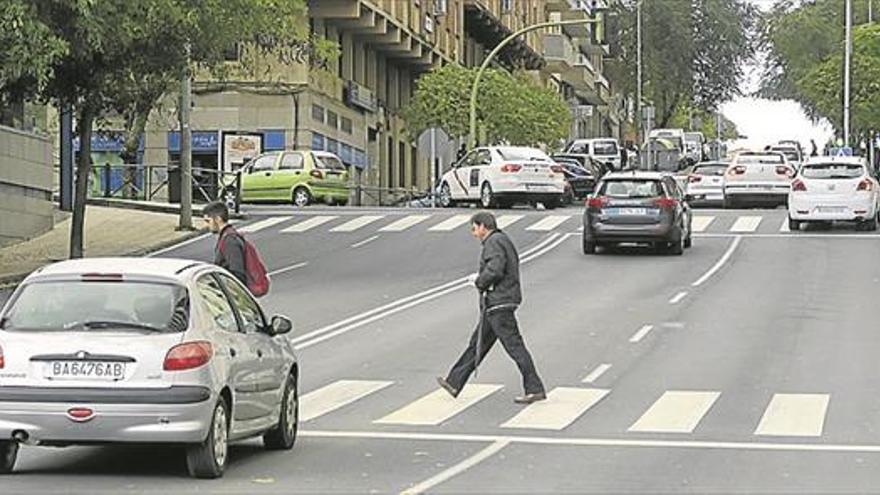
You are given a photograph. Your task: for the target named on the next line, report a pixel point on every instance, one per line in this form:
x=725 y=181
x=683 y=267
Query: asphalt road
x=746 y=365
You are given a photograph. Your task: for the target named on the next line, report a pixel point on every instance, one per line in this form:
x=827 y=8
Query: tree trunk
x=83 y=170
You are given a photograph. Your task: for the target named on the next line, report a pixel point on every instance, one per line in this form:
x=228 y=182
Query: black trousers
x=498 y=325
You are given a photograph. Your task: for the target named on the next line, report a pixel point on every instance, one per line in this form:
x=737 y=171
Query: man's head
x=216 y=215
x=483 y=224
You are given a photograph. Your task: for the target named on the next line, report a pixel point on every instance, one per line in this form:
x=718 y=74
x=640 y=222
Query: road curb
x=152 y=207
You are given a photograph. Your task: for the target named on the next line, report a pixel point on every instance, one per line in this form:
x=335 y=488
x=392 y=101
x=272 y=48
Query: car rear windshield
x=605 y=148
x=790 y=154
x=717 y=169
x=759 y=160
x=632 y=188
x=329 y=162
x=99 y=306
x=523 y=154
x=832 y=171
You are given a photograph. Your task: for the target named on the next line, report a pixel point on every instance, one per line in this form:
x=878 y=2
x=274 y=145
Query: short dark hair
x=216 y=209
x=485 y=219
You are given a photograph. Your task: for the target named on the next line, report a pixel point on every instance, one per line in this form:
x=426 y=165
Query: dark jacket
x=229 y=253
x=499 y=271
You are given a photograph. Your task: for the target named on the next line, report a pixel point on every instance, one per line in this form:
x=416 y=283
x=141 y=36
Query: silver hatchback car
x=143 y=350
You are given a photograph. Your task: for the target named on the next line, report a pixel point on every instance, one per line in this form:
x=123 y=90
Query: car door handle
x=259 y=353
x=268 y=174
x=232 y=352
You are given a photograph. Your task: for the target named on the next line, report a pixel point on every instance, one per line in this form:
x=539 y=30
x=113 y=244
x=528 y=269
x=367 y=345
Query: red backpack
x=255 y=269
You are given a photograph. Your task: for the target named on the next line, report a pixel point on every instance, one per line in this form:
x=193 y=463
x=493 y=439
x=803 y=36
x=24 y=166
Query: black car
x=580 y=182
x=637 y=207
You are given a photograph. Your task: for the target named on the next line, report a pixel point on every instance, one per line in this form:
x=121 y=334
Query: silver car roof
x=167 y=269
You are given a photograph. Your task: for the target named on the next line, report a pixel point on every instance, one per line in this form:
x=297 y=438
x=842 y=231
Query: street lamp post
x=639 y=74
x=846 y=73
x=472 y=134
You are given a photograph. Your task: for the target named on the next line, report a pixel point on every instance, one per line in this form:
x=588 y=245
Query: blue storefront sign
x=202 y=141
x=111 y=141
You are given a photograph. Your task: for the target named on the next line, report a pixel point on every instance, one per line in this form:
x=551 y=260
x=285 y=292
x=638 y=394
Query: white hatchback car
x=502 y=175
x=834 y=189
x=757 y=177
x=143 y=350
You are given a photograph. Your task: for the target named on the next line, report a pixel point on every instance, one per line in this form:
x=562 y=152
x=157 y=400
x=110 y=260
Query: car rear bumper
x=503 y=187
x=176 y=415
x=601 y=232
x=830 y=209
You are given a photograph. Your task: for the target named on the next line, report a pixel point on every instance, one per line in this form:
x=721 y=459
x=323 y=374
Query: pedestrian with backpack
x=235 y=253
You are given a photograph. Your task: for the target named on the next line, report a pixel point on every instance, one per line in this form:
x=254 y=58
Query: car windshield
x=329 y=162
x=790 y=154
x=631 y=189
x=833 y=171
x=715 y=169
x=759 y=160
x=523 y=154
x=93 y=306
x=605 y=148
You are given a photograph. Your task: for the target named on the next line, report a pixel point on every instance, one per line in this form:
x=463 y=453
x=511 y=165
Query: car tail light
x=316 y=174
x=598 y=202
x=786 y=171
x=798 y=185
x=865 y=185
x=188 y=355
x=557 y=169
x=738 y=170
x=101 y=277
x=510 y=167
x=666 y=203
x=80 y=414
x=694 y=178
x=2 y=359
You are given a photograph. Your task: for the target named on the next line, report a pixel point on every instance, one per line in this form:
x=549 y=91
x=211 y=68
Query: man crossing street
x=498 y=283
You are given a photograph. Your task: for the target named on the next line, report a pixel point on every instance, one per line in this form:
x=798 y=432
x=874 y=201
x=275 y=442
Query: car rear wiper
x=101 y=324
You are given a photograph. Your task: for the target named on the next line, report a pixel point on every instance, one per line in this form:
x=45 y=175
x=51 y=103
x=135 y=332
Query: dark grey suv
x=637 y=207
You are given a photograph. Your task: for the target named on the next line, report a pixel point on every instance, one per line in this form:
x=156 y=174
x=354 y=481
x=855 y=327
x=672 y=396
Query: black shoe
x=529 y=398
x=447 y=387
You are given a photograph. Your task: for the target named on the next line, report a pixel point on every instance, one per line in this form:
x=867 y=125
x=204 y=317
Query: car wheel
x=551 y=204
x=589 y=247
x=301 y=197
x=793 y=224
x=446 y=196
x=729 y=203
x=8 y=455
x=487 y=198
x=688 y=242
x=676 y=247
x=208 y=459
x=869 y=225
x=283 y=436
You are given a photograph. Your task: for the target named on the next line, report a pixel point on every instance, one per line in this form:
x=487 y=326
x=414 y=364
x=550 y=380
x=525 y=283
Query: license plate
x=631 y=211
x=535 y=187
x=85 y=370
x=831 y=209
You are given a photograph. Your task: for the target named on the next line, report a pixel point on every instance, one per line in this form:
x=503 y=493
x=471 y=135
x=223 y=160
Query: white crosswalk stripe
x=562 y=407
x=262 y=224
x=505 y=221
x=438 y=406
x=799 y=415
x=336 y=395
x=357 y=223
x=676 y=412
x=548 y=223
x=451 y=223
x=746 y=224
x=784 y=227
x=307 y=225
x=701 y=223
x=404 y=223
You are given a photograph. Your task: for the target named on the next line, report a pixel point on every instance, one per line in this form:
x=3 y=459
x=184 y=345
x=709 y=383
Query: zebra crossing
x=438 y=223
x=674 y=411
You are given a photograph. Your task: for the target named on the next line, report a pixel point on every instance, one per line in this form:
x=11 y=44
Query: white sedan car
x=834 y=189
x=502 y=175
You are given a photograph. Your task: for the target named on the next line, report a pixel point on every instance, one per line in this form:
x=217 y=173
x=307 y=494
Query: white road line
x=793 y=235
x=799 y=415
x=548 y=223
x=676 y=412
x=307 y=225
x=288 y=268
x=701 y=223
x=641 y=333
x=365 y=241
x=354 y=224
x=596 y=373
x=179 y=245
x=404 y=223
x=561 y=408
x=457 y=469
x=597 y=442
x=450 y=223
x=784 y=227
x=717 y=266
x=546 y=249
x=746 y=224
x=336 y=395
x=505 y=221
x=438 y=406
x=263 y=224
x=678 y=297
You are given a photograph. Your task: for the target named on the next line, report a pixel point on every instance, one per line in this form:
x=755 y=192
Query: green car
x=301 y=177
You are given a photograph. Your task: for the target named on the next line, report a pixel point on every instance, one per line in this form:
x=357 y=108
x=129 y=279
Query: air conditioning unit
x=360 y=96
x=441 y=7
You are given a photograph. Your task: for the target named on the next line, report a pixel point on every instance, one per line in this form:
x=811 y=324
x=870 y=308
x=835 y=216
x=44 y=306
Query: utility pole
x=639 y=134
x=185 y=222
x=846 y=73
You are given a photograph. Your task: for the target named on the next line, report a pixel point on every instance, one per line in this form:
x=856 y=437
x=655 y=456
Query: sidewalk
x=108 y=232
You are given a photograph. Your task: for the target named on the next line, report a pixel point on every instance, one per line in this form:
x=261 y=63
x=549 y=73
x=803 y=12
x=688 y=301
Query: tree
x=510 y=109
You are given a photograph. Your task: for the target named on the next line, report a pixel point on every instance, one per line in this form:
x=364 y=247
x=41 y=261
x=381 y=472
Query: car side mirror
x=280 y=325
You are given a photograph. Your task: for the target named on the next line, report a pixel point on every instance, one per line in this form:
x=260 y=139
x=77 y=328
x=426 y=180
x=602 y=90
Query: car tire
x=794 y=225
x=688 y=242
x=301 y=197
x=869 y=225
x=283 y=436
x=729 y=203
x=446 y=196
x=551 y=204
x=487 y=198
x=8 y=455
x=208 y=459
x=676 y=247
x=589 y=246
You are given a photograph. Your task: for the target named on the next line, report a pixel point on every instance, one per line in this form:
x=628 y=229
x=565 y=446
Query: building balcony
x=483 y=23
x=560 y=54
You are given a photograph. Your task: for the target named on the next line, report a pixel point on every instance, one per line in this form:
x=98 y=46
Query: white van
x=604 y=150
